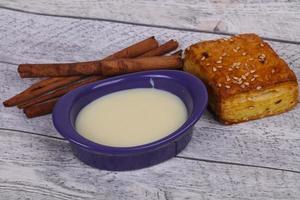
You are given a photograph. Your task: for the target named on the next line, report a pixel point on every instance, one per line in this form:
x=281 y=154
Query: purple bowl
x=187 y=87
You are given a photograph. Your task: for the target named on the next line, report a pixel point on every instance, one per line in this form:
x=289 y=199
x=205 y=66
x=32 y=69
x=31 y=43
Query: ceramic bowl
x=186 y=86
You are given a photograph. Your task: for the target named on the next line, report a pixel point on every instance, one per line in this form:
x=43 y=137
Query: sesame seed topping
x=220 y=57
x=250 y=59
x=252 y=79
x=203 y=58
x=261 y=44
x=219 y=85
x=207 y=64
x=220 y=66
x=242 y=86
x=273 y=71
x=262 y=58
x=214 y=69
x=236 y=65
x=252 y=71
x=227 y=86
x=230 y=69
x=224 y=54
x=246 y=83
x=227 y=78
x=244 y=77
x=244 y=53
x=237 y=48
x=249 y=98
x=247 y=74
x=255 y=75
x=219 y=61
x=231 y=40
x=258 y=87
x=235 y=78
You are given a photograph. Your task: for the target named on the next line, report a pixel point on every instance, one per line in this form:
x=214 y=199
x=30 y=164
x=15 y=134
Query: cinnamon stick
x=123 y=66
x=177 y=53
x=131 y=51
x=84 y=68
x=40 y=88
x=162 y=49
x=59 y=92
x=40 y=109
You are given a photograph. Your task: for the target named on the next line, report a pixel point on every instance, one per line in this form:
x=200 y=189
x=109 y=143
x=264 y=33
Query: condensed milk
x=131 y=117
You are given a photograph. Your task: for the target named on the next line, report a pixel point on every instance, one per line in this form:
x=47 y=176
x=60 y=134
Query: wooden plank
x=44 y=168
x=271 y=142
x=277 y=19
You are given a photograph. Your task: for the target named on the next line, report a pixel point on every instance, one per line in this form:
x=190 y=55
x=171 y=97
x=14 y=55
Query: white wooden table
x=253 y=160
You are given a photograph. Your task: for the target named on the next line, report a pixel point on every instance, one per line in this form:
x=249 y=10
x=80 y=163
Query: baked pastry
x=245 y=78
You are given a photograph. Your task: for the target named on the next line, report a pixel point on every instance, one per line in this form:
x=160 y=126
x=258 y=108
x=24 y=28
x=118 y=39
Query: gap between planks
x=145 y=25
x=177 y=156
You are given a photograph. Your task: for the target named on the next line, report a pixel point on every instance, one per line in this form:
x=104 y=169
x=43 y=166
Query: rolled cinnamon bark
x=177 y=53
x=40 y=88
x=59 y=92
x=40 y=109
x=123 y=66
x=162 y=49
x=131 y=51
x=84 y=68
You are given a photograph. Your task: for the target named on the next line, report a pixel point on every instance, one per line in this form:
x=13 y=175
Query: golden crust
x=240 y=64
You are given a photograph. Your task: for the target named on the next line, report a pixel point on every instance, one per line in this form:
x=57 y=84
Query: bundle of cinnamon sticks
x=40 y=98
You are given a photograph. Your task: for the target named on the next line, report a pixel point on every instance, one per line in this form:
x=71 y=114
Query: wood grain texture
x=270 y=142
x=36 y=167
x=274 y=18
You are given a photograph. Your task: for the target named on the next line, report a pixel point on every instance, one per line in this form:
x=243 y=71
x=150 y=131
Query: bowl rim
x=61 y=112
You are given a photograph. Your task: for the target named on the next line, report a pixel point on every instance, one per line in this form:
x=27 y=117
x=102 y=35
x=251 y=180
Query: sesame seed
x=252 y=71
x=246 y=64
x=242 y=86
x=214 y=69
x=238 y=48
x=244 y=77
x=235 y=50
x=203 y=58
x=258 y=87
x=262 y=58
x=227 y=78
x=220 y=66
x=246 y=83
x=250 y=59
x=220 y=57
x=224 y=54
x=230 y=69
x=227 y=86
x=219 y=85
x=255 y=75
x=261 y=44
x=252 y=79
x=235 y=78
x=219 y=61
x=244 y=53
x=207 y=64
x=231 y=40
x=247 y=74
x=273 y=71
x=249 y=98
